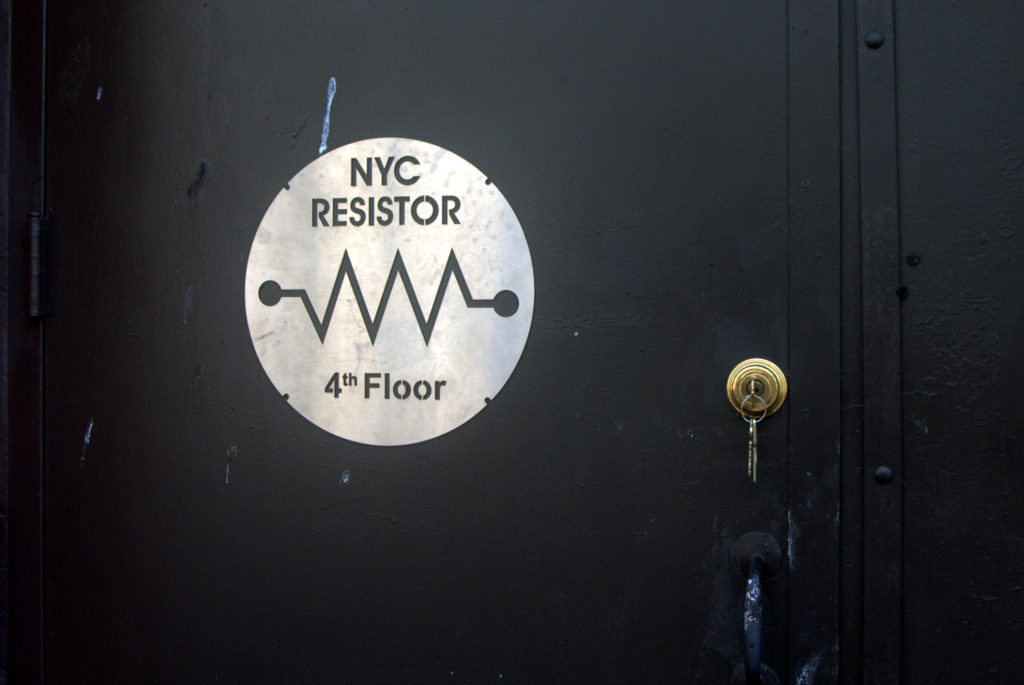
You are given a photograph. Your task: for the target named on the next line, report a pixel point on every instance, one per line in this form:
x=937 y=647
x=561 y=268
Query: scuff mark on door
x=85 y=443
x=332 y=88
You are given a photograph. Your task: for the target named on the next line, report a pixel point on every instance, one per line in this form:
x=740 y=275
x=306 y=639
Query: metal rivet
x=903 y=292
x=883 y=475
x=913 y=259
x=874 y=40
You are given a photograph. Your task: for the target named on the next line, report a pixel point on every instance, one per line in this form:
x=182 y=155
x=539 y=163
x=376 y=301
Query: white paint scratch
x=345 y=475
x=85 y=443
x=99 y=93
x=791 y=536
x=332 y=88
x=230 y=453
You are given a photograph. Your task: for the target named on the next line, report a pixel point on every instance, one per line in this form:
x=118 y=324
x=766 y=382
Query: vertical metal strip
x=814 y=296
x=5 y=88
x=876 y=78
x=36 y=266
x=23 y=345
x=851 y=576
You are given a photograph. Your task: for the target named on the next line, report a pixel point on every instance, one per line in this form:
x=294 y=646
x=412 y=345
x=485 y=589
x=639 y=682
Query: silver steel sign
x=389 y=291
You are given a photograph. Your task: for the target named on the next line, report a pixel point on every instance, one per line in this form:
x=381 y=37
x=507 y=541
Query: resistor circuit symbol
x=505 y=303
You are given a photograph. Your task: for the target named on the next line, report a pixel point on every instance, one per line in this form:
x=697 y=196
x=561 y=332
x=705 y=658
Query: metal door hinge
x=37 y=227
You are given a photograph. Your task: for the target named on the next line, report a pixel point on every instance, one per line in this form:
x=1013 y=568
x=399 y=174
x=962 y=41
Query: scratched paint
x=332 y=88
x=807 y=670
x=791 y=537
x=85 y=443
x=752 y=598
x=229 y=454
x=188 y=303
x=197 y=182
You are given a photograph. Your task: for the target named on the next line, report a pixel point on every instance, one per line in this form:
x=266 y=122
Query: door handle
x=753 y=620
x=755 y=556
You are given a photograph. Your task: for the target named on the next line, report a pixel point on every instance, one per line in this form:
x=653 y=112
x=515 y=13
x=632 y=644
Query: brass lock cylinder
x=757 y=388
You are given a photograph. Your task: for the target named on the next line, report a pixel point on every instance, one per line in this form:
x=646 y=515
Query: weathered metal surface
x=961 y=105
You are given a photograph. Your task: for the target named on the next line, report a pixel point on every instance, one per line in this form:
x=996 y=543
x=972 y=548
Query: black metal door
x=675 y=170
x=939 y=104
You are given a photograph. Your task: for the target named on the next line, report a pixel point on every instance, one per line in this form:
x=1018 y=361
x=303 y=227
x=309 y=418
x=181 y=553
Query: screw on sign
x=389 y=291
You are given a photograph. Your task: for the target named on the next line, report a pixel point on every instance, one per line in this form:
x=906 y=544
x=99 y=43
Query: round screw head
x=913 y=259
x=874 y=40
x=883 y=475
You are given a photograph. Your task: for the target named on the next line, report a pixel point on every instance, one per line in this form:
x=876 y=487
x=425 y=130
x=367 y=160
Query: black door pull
x=756 y=556
x=753 y=616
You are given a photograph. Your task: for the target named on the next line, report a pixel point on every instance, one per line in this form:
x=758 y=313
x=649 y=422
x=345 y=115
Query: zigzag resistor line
x=504 y=303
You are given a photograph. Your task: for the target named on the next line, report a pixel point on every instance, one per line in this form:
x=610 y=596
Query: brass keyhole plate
x=758 y=377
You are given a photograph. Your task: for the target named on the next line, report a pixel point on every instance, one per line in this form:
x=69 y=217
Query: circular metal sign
x=389 y=291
